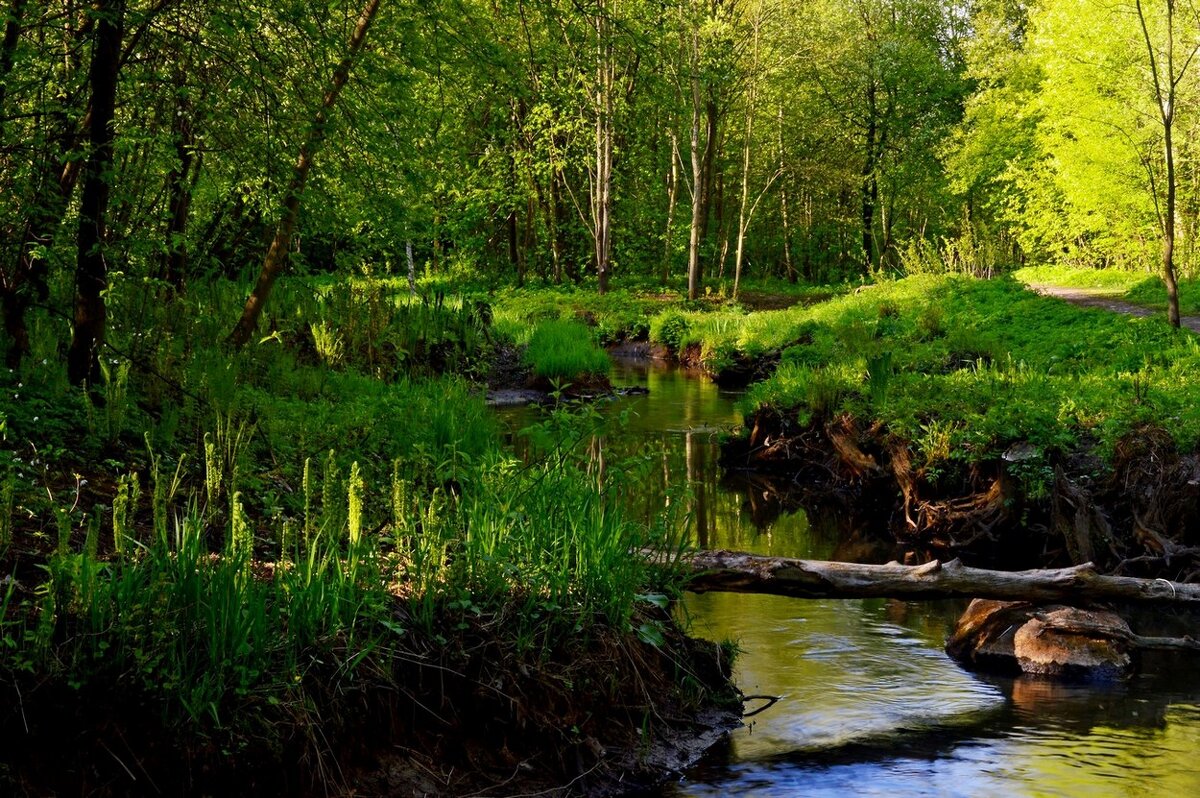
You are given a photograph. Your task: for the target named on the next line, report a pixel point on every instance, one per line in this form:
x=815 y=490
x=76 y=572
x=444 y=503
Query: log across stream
x=741 y=572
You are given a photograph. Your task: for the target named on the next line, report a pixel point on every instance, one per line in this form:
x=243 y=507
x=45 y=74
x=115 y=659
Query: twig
x=104 y=745
x=21 y=706
x=771 y=700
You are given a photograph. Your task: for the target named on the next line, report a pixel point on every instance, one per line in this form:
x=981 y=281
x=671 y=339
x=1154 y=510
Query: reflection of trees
x=832 y=532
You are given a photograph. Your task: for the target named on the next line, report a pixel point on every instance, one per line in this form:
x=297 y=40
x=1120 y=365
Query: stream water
x=871 y=705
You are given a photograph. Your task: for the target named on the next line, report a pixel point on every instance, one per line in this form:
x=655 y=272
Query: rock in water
x=1065 y=642
x=1052 y=641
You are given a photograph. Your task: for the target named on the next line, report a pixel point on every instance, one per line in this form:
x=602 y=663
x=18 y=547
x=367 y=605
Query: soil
x=595 y=715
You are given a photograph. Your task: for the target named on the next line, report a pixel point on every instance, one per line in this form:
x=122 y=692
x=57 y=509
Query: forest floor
x=1106 y=299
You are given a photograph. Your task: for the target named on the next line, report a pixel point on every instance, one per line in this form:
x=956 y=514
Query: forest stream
x=871 y=705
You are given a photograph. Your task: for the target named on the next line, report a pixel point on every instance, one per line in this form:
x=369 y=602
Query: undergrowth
x=236 y=541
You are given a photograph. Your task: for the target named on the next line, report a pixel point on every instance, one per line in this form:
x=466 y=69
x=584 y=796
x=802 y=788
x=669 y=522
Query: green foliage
x=565 y=350
x=670 y=329
x=1010 y=367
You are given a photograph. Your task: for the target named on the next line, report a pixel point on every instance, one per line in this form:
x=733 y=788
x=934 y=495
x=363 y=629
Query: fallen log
x=738 y=572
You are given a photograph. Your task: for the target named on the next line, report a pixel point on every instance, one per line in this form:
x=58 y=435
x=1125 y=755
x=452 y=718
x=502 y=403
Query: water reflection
x=872 y=705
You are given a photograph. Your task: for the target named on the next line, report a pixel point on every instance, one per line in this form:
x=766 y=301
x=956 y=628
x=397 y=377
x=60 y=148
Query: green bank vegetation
x=232 y=544
x=964 y=369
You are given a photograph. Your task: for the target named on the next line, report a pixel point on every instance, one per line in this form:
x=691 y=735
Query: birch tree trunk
x=699 y=206
x=751 y=96
x=602 y=180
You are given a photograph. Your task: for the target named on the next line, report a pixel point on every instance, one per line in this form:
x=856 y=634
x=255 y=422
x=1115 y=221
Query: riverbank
x=979 y=419
x=311 y=566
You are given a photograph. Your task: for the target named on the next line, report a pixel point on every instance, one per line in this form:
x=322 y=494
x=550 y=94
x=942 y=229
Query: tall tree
x=1168 y=62
x=91 y=269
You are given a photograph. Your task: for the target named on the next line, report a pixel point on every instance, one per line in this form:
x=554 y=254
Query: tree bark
x=8 y=51
x=1166 y=83
x=602 y=181
x=276 y=258
x=870 y=186
x=91 y=268
x=736 y=572
x=180 y=183
x=789 y=267
x=699 y=206
x=672 y=200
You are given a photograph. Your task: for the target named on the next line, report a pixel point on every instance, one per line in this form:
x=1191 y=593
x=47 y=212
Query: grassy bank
x=974 y=366
x=948 y=389
x=315 y=550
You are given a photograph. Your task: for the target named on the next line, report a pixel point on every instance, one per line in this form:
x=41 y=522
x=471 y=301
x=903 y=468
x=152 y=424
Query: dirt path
x=1105 y=299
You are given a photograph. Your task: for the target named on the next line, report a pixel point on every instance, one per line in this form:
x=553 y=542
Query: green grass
x=975 y=366
x=565 y=350
x=235 y=535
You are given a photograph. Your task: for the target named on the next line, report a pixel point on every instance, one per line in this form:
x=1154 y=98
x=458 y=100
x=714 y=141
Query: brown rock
x=1052 y=641
x=1066 y=642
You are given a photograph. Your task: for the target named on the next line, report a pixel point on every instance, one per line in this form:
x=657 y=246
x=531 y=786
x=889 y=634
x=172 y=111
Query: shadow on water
x=871 y=704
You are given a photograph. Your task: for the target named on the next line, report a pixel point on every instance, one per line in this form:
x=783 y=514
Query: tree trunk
x=514 y=248
x=601 y=183
x=789 y=267
x=91 y=269
x=55 y=184
x=711 y=118
x=276 y=257
x=412 y=267
x=1166 y=83
x=1169 y=227
x=869 y=188
x=180 y=183
x=743 y=221
x=8 y=51
x=672 y=201
x=551 y=212
x=699 y=205
x=735 y=572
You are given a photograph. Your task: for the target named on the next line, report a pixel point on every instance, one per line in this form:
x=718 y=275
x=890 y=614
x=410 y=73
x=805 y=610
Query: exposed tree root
x=1142 y=518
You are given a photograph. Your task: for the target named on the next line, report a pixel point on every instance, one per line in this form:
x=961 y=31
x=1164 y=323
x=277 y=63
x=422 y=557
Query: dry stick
x=737 y=572
x=771 y=700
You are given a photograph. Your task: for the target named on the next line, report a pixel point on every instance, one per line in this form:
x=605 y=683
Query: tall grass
x=565 y=350
x=234 y=609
